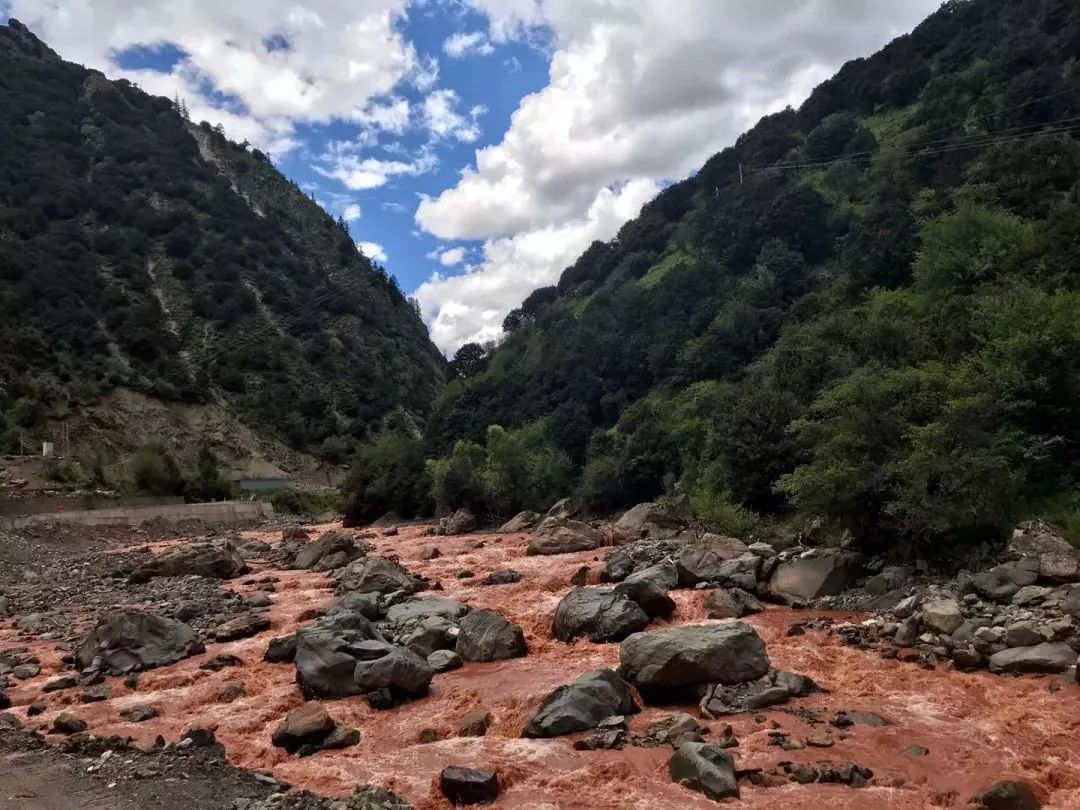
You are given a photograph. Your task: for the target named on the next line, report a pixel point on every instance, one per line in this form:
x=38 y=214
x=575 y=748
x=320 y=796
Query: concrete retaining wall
x=223 y=513
x=46 y=504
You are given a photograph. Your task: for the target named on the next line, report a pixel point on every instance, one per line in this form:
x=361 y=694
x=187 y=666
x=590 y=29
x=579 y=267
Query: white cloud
x=466 y=44
x=373 y=250
x=391 y=115
x=444 y=121
x=471 y=307
x=278 y=61
x=351 y=213
x=425 y=73
x=394 y=207
x=344 y=162
x=452 y=256
x=637 y=89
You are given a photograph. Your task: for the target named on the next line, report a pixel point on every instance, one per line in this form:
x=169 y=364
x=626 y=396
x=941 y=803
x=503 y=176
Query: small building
x=259 y=475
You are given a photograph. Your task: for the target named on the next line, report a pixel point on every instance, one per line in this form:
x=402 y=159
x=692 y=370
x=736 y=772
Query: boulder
x=444 y=661
x=242 y=626
x=521 y=522
x=213 y=560
x=308 y=725
x=742 y=572
x=563 y=509
x=564 y=536
x=1042 y=658
x=502 y=578
x=474 y=724
x=294 y=533
x=485 y=636
x=401 y=671
x=1001 y=582
x=701 y=559
x=668 y=663
x=333 y=550
x=704 y=768
x=649 y=520
x=130 y=641
x=281 y=650
x=602 y=615
x=731 y=603
x=418 y=607
x=67 y=723
x=366 y=604
x=429 y=634
x=663 y=574
x=826 y=572
x=462 y=521
x=942 y=615
x=327 y=651
x=1007 y=795
x=376 y=575
x=618 y=566
x=648 y=595
x=582 y=705
x=772 y=689
x=467 y=786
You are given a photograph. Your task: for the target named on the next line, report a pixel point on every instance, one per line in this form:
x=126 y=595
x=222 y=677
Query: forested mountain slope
x=867 y=309
x=143 y=251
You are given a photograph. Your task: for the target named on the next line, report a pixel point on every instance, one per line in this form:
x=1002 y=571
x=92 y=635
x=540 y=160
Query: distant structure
x=260 y=475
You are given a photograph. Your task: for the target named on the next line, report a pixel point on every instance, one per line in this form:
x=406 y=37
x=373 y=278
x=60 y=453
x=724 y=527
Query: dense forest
x=141 y=250
x=866 y=310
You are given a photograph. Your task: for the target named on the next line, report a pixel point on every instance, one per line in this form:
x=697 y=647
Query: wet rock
x=430 y=553
x=618 y=567
x=775 y=688
x=581 y=576
x=1025 y=634
x=367 y=604
x=502 y=578
x=431 y=633
x=1007 y=795
x=129 y=640
x=822 y=572
x=602 y=615
x=213 y=560
x=95 y=694
x=67 y=723
x=583 y=704
x=139 y=714
x=281 y=650
x=848 y=718
x=243 y=626
x=462 y=521
x=308 y=725
x=375 y=575
x=25 y=672
x=521 y=522
x=401 y=671
x=1030 y=595
x=942 y=615
x=486 y=636
x=608 y=740
x=652 y=520
x=702 y=560
x=468 y=786
x=419 y=607
x=731 y=603
x=474 y=724
x=664 y=575
x=1040 y=658
x=199 y=737
x=258 y=600
x=327 y=652
x=254 y=549
x=664 y=663
x=648 y=595
x=333 y=550
x=444 y=661
x=1001 y=582
x=220 y=662
x=294 y=533
x=60 y=682
x=704 y=768
x=563 y=536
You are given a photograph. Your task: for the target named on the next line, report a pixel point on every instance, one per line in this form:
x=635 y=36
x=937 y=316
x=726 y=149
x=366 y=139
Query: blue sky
x=478 y=145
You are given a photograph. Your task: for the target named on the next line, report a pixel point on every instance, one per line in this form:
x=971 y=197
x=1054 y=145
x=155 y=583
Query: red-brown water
x=978 y=728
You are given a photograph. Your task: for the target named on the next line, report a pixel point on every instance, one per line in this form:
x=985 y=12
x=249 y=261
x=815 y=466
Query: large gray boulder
x=648 y=595
x=521 y=522
x=213 y=560
x=462 y=521
x=400 y=671
x=1041 y=658
x=130 y=641
x=328 y=650
x=1001 y=583
x=1058 y=560
x=564 y=536
x=376 y=575
x=818 y=573
x=673 y=662
x=333 y=550
x=731 y=603
x=486 y=636
x=663 y=574
x=701 y=560
x=942 y=615
x=582 y=705
x=600 y=614
x=562 y=509
x=704 y=768
x=650 y=520
x=418 y=607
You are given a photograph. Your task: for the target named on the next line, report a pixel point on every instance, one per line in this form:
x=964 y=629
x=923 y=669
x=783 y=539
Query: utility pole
x=740 y=174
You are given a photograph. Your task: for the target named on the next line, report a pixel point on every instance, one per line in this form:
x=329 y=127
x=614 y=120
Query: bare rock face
x=669 y=663
x=130 y=641
x=564 y=536
x=213 y=560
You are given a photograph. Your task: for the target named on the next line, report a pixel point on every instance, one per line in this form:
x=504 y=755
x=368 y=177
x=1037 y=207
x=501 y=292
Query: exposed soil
x=977 y=728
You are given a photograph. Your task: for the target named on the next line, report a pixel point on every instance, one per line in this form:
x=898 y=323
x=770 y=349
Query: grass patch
x=657 y=272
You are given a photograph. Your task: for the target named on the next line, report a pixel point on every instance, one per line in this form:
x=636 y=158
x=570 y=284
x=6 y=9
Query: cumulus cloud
x=451 y=256
x=467 y=43
x=373 y=250
x=471 y=307
x=344 y=161
x=444 y=121
x=351 y=212
x=637 y=89
x=274 y=63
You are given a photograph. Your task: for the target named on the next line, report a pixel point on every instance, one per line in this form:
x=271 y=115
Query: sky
x=476 y=147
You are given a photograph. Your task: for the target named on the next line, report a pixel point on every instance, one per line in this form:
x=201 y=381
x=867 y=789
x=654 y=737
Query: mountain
x=143 y=252
x=866 y=310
